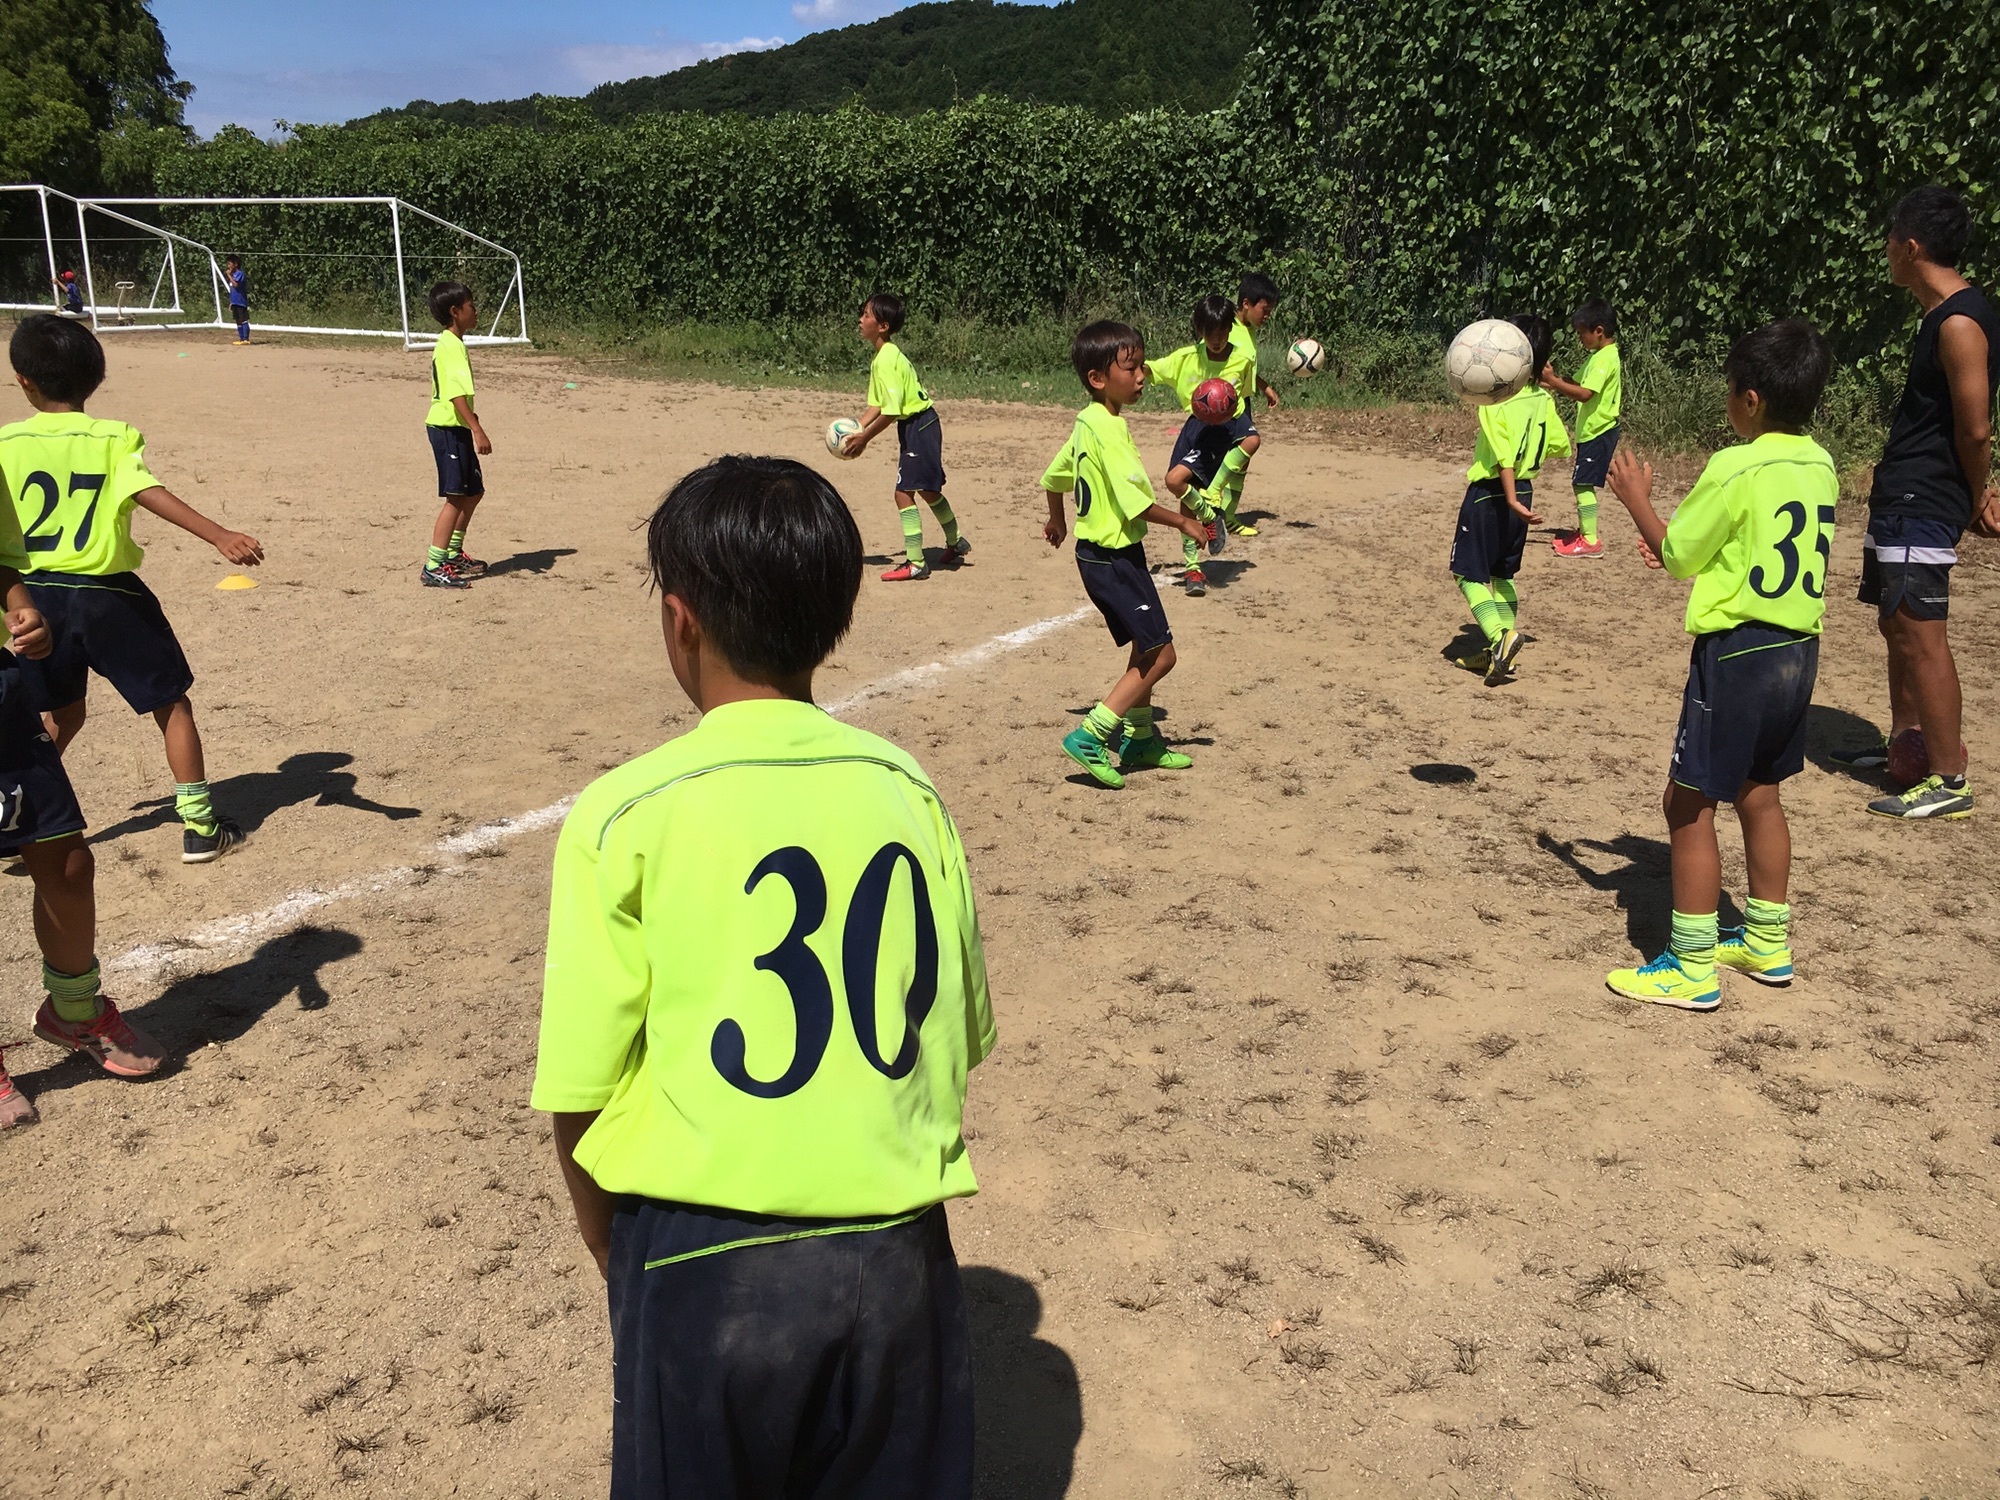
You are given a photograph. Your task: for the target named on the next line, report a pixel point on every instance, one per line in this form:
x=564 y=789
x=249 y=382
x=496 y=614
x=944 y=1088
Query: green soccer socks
x=457 y=544
x=1767 y=924
x=941 y=508
x=1692 y=941
x=913 y=534
x=1485 y=610
x=435 y=558
x=1507 y=600
x=192 y=806
x=73 y=995
x=1104 y=724
x=1586 y=515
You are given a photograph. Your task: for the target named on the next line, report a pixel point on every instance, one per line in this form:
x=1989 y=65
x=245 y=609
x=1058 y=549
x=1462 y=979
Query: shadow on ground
x=312 y=775
x=1029 y=1402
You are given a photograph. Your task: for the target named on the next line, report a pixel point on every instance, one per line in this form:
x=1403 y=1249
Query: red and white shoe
x=907 y=573
x=16 y=1108
x=1573 y=545
x=118 y=1045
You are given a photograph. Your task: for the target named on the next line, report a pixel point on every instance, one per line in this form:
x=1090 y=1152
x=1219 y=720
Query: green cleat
x=1733 y=951
x=1665 y=982
x=1150 y=754
x=1088 y=751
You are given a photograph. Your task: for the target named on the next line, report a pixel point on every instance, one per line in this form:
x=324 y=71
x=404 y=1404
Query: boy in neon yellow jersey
x=1201 y=449
x=1516 y=437
x=457 y=441
x=1101 y=466
x=75 y=481
x=1755 y=533
x=764 y=990
x=1256 y=299
x=1599 y=394
x=896 y=395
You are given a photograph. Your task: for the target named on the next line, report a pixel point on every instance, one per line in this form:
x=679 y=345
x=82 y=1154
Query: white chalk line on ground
x=231 y=934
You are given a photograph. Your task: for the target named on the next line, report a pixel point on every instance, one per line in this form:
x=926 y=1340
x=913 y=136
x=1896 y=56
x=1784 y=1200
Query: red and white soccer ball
x=1214 y=401
x=1909 y=758
x=1489 y=362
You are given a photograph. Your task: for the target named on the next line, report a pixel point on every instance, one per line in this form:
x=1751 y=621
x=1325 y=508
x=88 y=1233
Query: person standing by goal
x=1931 y=484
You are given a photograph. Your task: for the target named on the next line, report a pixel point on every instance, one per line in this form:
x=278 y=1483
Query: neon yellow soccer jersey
x=73 y=479
x=764 y=968
x=1755 y=534
x=1242 y=336
x=1188 y=366
x=1603 y=373
x=451 y=375
x=1521 y=433
x=893 y=387
x=1100 y=463
x=13 y=551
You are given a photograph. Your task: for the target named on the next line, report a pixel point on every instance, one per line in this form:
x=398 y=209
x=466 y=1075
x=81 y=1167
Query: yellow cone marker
x=237 y=581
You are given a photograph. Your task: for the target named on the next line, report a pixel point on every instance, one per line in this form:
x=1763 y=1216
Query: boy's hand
x=1270 y=398
x=1548 y=380
x=1532 y=517
x=1648 y=556
x=1631 y=481
x=1053 y=530
x=854 y=445
x=1194 y=527
x=240 y=547
x=1987 y=520
x=29 y=634
x=481 y=443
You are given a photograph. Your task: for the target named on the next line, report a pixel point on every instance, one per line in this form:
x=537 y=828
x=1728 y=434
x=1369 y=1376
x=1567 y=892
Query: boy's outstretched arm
x=1632 y=483
x=592 y=1204
x=237 y=546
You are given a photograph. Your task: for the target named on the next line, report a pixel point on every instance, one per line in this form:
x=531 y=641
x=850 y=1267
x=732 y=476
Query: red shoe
x=1575 y=546
x=908 y=573
x=16 y=1108
x=118 y=1046
x=1193 y=581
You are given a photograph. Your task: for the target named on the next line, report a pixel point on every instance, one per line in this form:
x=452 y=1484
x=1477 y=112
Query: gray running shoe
x=1929 y=798
x=1862 y=757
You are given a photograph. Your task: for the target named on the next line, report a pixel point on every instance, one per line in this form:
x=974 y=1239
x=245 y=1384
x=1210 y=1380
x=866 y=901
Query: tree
x=87 y=98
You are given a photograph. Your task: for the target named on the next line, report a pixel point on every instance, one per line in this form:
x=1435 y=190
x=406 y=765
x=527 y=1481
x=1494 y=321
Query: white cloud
x=613 y=62
x=825 y=12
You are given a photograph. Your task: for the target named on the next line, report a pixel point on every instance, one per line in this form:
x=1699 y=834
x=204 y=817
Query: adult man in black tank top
x=1930 y=485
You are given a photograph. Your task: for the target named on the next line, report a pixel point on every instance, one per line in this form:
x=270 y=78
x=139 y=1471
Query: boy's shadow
x=1829 y=729
x=1029 y=1400
x=1470 y=638
x=1643 y=884
x=221 y=1005
x=255 y=795
x=939 y=560
x=529 y=562
x=1223 y=571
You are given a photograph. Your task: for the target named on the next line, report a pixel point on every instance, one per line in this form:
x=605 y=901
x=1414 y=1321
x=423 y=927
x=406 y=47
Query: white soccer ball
x=1489 y=361
x=1305 y=357
x=838 y=431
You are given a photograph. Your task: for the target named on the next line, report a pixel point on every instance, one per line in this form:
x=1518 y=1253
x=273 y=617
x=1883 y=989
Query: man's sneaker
x=198 y=848
x=908 y=573
x=1241 y=528
x=1150 y=754
x=1194 y=582
x=1733 y=951
x=955 y=553
x=1665 y=982
x=1862 y=757
x=467 y=566
x=1501 y=667
x=1929 y=798
x=1088 y=751
x=118 y=1045
x=445 y=576
x=1478 y=661
x=1576 y=546
x=16 y=1108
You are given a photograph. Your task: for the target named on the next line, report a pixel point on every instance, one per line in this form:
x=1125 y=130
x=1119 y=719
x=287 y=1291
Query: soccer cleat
x=1501 y=667
x=1478 y=661
x=1150 y=754
x=445 y=576
x=198 y=848
x=1665 y=982
x=118 y=1046
x=1241 y=528
x=1929 y=798
x=16 y=1108
x=466 y=566
x=907 y=573
x=1088 y=751
x=1733 y=951
x=1575 y=546
x=1193 y=581
x=1862 y=757
x=955 y=553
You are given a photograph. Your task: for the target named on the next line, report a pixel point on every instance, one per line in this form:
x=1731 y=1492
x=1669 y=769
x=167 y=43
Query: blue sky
x=311 y=60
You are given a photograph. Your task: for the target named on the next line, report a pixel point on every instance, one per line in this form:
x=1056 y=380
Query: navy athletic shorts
x=1743 y=715
x=1121 y=586
x=1593 y=460
x=920 y=452
x=1492 y=535
x=1202 y=448
x=1906 y=562
x=752 y=1356
x=110 y=624
x=459 y=477
x=37 y=803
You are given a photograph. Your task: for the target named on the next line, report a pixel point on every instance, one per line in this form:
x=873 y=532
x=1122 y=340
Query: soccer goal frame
x=166 y=280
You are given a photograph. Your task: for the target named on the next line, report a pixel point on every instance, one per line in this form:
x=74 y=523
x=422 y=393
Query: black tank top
x=1919 y=474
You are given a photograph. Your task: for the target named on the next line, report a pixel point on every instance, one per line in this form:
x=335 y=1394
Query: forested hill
x=1113 y=56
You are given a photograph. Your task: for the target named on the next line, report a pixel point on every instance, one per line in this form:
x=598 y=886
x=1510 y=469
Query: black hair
x=1787 y=363
x=888 y=309
x=60 y=355
x=1937 y=219
x=1257 y=287
x=446 y=298
x=232 y=260
x=767 y=556
x=1541 y=338
x=1596 y=313
x=1097 y=347
x=1213 y=314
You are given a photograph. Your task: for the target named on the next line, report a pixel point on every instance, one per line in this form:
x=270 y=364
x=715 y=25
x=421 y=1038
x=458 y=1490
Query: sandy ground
x=1316 y=1159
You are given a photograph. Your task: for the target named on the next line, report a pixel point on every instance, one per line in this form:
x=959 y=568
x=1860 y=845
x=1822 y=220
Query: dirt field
x=1316 y=1158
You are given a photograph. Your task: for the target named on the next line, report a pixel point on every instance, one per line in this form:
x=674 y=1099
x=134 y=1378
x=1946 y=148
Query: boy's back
x=1755 y=533
x=73 y=478
x=1521 y=433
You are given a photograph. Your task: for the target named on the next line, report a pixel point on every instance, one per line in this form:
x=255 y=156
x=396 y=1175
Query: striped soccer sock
x=192 y=805
x=1139 y=721
x=1586 y=514
x=941 y=508
x=1506 y=599
x=913 y=534
x=1766 y=925
x=457 y=545
x=1693 y=943
x=435 y=558
x=1479 y=598
x=1103 y=723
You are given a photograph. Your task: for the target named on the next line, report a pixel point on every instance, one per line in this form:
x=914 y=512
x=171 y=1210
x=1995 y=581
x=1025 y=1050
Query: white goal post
x=136 y=270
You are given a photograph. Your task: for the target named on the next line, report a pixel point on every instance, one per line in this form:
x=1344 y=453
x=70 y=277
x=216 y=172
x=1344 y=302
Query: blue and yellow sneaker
x=1150 y=754
x=1088 y=751
x=1665 y=982
x=1733 y=951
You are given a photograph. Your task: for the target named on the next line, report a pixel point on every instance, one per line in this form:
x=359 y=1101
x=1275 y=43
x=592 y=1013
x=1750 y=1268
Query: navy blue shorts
x=110 y=624
x=37 y=803
x=1906 y=563
x=1743 y=715
x=1121 y=586
x=1492 y=535
x=818 y=1367
x=458 y=463
x=1593 y=460
x=1201 y=448
x=920 y=452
